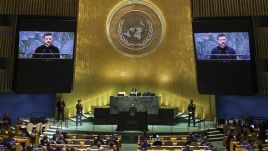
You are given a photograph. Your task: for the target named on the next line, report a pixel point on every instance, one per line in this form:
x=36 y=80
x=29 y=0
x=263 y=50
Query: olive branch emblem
x=124 y=40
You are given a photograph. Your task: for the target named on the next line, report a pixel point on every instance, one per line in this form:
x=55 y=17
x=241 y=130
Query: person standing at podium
x=191 y=111
x=132 y=109
x=79 y=112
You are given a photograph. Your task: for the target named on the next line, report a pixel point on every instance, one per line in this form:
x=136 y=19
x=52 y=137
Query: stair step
x=215 y=135
x=51 y=130
x=48 y=133
x=53 y=127
x=198 y=120
x=213 y=132
x=218 y=134
x=212 y=129
x=184 y=115
x=26 y=120
x=215 y=139
x=72 y=119
x=88 y=115
x=179 y=114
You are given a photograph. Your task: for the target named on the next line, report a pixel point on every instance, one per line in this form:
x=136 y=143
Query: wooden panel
x=6 y=50
x=39 y=7
x=209 y=8
x=261 y=57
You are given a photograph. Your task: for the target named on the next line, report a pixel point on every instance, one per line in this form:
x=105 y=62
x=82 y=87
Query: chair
x=89 y=142
x=158 y=148
x=47 y=126
x=246 y=129
x=80 y=136
x=29 y=128
x=193 y=144
x=96 y=148
x=180 y=143
x=225 y=128
x=167 y=138
x=76 y=141
x=39 y=127
x=168 y=143
x=237 y=130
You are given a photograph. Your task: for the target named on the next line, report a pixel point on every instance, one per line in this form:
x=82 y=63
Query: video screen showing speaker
x=44 y=52
x=45 y=45
x=222 y=46
x=224 y=52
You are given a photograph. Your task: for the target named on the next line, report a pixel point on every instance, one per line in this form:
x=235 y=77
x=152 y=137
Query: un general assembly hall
x=133 y=75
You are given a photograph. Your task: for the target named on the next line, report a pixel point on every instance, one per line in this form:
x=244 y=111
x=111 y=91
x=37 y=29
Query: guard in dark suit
x=191 y=111
x=60 y=109
x=79 y=112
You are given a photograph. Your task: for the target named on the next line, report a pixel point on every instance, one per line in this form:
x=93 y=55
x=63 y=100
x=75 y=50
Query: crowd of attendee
x=60 y=141
x=191 y=140
x=246 y=134
x=9 y=137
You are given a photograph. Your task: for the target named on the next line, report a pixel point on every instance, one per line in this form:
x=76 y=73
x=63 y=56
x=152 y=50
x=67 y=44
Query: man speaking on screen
x=222 y=51
x=47 y=50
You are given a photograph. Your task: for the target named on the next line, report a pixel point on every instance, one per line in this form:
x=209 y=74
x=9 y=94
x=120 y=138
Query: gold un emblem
x=135 y=28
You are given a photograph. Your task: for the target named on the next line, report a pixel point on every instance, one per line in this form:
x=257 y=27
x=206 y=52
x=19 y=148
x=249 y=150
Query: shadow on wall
x=25 y=104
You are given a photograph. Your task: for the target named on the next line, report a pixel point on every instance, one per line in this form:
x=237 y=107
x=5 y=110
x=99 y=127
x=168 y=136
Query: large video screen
x=44 y=53
x=224 y=52
x=45 y=45
x=222 y=46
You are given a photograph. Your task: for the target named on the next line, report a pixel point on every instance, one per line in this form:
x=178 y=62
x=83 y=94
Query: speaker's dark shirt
x=224 y=53
x=50 y=52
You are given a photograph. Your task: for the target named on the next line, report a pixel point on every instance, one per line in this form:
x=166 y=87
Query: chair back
x=48 y=124
x=29 y=128
x=39 y=127
x=168 y=143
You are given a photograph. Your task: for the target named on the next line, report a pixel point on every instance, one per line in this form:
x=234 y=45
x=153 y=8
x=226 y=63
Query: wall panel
x=209 y=8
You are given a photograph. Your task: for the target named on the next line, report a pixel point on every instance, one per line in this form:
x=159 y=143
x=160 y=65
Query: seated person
x=98 y=141
x=157 y=142
x=61 y=139
x=133 y=92
x=6 y=121
x=54 y=139
x=19 y=121
x=44 y=141
x=113 y=141
x=155 y=136
x=190 y=139
x=144 y=144
x=1 y=142
x=10 y=141
x=147 y=93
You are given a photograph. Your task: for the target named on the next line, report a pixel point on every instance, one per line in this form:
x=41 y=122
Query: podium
x=149 y=104
x=130 y=121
